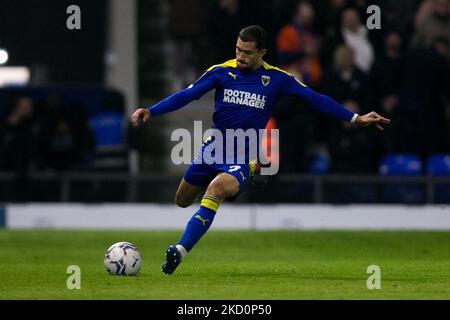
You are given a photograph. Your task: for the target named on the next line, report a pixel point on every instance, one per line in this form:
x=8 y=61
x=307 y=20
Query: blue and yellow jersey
x=245 y=99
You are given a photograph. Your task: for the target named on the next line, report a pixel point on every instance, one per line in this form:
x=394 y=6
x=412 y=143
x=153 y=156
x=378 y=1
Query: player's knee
x=182 y=202
x=221 y=190
x=215 y=190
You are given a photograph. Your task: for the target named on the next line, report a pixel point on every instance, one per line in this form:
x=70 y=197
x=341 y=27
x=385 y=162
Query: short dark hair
x=255 y=34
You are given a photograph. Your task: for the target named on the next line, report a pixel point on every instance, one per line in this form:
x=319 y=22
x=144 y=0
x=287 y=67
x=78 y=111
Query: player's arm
x=177 y=100
x=329 y=106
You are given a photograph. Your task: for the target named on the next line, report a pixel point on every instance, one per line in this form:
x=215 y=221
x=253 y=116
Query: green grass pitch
x=230 y=265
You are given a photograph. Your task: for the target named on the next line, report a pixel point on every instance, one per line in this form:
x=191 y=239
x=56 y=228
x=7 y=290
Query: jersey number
x=234 y=168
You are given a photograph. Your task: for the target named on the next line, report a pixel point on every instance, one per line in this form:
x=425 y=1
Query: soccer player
x=247 y=89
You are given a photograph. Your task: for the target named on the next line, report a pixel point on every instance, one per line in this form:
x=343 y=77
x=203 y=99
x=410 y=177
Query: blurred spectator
x=353 y=149
x=424 y=10
x=299 y=134
x=385 y=76
x=298 y=45
x=18 y=146
x=186 y=24
x=361 y=6
x=355 y=35
x=345 y=81
x=18 y=134
x=423 y=99
x=331 y=17
x=225 y=22
x=432 y=25
x=297 y=48
x=398 y=15
x=384 y=84
x=346 y=84
x=66 y=139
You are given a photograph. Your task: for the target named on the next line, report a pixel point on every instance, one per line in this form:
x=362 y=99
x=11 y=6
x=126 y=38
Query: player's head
x=250 y=47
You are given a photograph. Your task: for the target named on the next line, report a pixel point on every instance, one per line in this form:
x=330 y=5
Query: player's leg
x=223 y=186
x=187 y=193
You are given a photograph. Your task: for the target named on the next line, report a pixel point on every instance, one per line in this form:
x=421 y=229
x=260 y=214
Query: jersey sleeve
x=181 y=98
x=291 y=86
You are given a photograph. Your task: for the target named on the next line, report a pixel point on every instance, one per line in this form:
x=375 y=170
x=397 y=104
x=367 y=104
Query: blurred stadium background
x=66 y=96
x=69 y=158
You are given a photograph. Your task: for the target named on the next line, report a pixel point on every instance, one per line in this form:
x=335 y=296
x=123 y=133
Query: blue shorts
x=203 y=174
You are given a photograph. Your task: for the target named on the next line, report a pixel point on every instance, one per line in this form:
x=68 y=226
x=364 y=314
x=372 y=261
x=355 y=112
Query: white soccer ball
x=123 y=259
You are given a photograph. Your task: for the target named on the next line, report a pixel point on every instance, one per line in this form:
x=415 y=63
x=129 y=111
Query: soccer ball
x=122 y=258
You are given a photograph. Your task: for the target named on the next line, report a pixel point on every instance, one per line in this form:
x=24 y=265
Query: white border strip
x=256 y=217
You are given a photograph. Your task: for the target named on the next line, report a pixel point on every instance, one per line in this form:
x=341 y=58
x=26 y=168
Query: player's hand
x=141 y=113
x=372 y=118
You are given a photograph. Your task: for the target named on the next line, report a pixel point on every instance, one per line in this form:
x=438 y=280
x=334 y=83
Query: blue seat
x=438 y=165
x=108 y=129
x=404 y=165
x=110 y=148
x=319 y=165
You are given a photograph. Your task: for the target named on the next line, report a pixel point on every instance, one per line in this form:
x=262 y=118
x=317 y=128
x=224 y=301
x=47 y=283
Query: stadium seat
x=438 y=165
x=107 y=128
x=110 y=148
x=401 y=165
x=318 y=166
x=404 y=165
